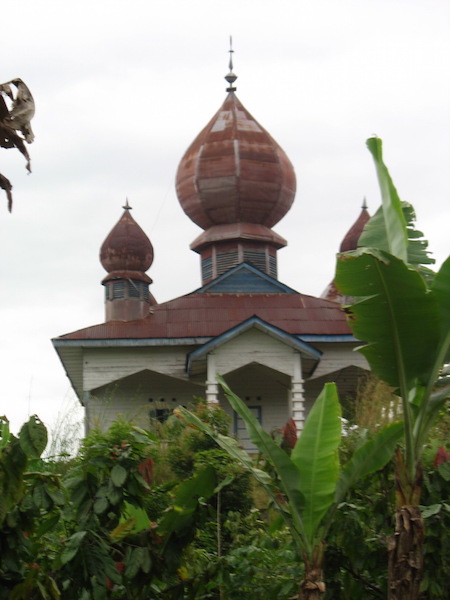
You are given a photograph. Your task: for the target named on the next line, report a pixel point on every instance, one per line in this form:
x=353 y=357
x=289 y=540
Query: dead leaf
x=5 y=184
x=14 y=120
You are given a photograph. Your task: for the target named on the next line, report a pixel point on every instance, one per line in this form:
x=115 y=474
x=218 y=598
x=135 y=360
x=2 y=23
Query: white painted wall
x=107 y=365
x=257 y=366
x=337 y=356
x=256 y=346
x=134 y=397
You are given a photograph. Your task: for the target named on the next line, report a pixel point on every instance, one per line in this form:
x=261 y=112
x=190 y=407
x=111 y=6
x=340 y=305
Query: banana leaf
x=441 y=289
x=316 y=457
x=287 y=471
x=395 y=224
x=368 y=458
x=375 y=236
x=394 y=314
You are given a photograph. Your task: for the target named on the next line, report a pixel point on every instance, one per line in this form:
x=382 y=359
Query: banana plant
x=401 y=311
x=309 y=483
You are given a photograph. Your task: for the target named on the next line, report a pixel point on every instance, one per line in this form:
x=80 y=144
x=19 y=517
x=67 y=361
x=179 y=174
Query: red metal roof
x=209 y=315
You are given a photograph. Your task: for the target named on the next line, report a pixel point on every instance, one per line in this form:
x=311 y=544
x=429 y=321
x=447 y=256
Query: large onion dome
x=235 y=172
x=235 y=182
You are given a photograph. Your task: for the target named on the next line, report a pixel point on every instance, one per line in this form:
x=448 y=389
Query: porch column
x=212 y=387
x=297 y=398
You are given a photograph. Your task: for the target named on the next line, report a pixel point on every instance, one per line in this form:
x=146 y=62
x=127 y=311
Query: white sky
x=121 y=90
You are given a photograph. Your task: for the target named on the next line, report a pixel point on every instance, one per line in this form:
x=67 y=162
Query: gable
x=245 y=278
x=251 y=341
x=254 y=346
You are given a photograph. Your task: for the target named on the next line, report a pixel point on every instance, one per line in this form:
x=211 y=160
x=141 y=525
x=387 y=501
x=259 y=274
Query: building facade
x=274 y=346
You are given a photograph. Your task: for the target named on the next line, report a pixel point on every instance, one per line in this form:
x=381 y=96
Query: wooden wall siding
x=337 y=356
x=254 y=346
x=259 y=386
x=130 y=398
x=104 y=366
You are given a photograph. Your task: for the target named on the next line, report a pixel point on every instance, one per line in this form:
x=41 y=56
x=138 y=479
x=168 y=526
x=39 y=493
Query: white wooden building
x=275 y=346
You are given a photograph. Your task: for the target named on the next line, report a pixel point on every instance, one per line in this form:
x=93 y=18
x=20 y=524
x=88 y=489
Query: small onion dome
x=350 y=241
x=127 y=251
x=235 y=172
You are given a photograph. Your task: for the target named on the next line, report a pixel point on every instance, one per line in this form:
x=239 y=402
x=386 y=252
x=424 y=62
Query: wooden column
x=297 y=397
x=212 y=387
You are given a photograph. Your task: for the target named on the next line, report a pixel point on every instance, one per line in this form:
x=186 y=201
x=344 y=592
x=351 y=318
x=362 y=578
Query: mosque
x=275 y=346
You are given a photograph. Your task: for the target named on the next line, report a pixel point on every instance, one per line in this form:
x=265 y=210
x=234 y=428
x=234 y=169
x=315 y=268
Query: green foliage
x=402 y=312
x=394 y=221
x=259 y=563
x=392 y=311
x=190 y=449
x=33 y=438
x=403 y=317
x=374 y=236
x=185 y=443
x=15 y=454
x=111 y=544
x=235 y=495
x=105 y=530
x=305 y=487
x=356 y=544
x=316 y=457
x=436 y=514
x=30 y=508
x=369 y=457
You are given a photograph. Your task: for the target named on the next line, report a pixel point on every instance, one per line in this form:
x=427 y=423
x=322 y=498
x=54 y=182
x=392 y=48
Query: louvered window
x=257 y=259
x=133 y=289
x=118 y=289
x=226 y=261
x=206 y=269
x=127 y=289
x=273 y=266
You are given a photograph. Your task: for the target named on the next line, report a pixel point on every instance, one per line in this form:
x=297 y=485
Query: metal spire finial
x=364 y=204
x=127 y=206
x=231 y=77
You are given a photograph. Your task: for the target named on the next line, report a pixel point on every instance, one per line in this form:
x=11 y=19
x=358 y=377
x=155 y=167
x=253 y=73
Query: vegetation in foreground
x=126 y=519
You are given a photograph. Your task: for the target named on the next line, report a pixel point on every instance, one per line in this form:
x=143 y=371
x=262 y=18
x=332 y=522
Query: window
x=240 y=429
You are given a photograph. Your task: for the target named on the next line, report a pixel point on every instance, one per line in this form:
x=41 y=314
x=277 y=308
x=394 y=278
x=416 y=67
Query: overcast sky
x=121 y=90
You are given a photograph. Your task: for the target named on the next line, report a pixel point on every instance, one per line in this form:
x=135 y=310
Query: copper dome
x=235 y=172
x=126 y=248
x=350 y=241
